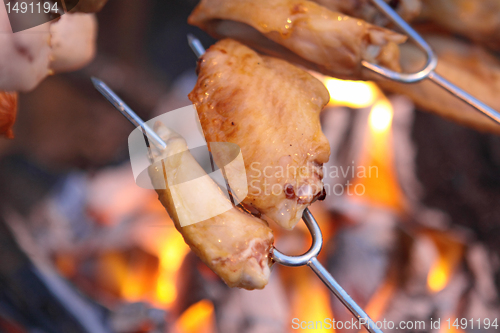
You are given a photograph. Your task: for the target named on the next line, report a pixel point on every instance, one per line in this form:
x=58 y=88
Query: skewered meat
x=28 y=56
x=303 y=32
x=270 y=109
x=234 y=244
x=467 y=66
x=477 y=20
x=73 y=41
x=363 y=9
x=8 y=110
x=24 y=56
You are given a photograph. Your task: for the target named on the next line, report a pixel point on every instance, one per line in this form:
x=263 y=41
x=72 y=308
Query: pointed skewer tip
x=96 y=81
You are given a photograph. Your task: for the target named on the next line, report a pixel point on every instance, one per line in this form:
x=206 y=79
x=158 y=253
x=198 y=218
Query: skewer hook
x=429 y=71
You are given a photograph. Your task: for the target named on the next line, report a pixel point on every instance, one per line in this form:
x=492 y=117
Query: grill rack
x=310 y=257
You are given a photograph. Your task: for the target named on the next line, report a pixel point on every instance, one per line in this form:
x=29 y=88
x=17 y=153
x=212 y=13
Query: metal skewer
x=310 y=258
x=126 y=111
x=429 y=70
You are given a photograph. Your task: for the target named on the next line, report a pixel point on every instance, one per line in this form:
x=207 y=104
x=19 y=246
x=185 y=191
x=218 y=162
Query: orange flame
x=142 y=278
x=310 y=301
x=379 y=183
x=380 y=119
x=354 y=94
x=198 y=318
x=439 y=275
x=378 y=303
x=171 y=255
x=450 y=252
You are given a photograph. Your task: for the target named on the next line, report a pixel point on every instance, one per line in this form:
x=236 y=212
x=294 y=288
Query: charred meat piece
x=270 y=109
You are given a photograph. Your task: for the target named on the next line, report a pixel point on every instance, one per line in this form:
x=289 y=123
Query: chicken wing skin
x=234 y=244
x=363 y=9
x=477 y=20
x=8 y=110
x=270 y=109
x=302 y=32
x=468 y=66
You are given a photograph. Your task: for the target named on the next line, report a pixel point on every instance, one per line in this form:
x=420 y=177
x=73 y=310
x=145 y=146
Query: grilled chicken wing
x=303 y=32
x=234 y=244
x=8 y=110
x=468 y=66
x=269 y=108
x=478 y=20
x=363 y=9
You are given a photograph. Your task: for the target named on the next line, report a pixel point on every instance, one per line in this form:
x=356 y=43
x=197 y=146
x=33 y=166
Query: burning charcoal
x=236 y=310
x=36 y=295
x=259 y=311
x=459 y=170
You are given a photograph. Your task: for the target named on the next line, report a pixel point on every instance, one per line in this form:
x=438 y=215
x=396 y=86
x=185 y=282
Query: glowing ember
x=112 y=268
x=197 y=319
x=439 y=275
x=450 y=253
x=140 y=277
x=378 y=303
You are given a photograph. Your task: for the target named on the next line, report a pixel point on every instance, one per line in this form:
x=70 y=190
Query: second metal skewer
x=429 y=71
x=310 y=258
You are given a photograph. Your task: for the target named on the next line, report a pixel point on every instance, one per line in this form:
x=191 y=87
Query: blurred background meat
x=407 y=9
x=8 y=111
x=411 y=233
x=302 y=32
